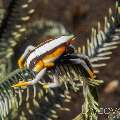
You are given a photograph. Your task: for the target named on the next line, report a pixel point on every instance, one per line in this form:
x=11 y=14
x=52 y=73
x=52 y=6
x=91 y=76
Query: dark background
x=78 y=16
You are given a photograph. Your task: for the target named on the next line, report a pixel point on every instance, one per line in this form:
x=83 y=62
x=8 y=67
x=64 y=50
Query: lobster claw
x=21 y=84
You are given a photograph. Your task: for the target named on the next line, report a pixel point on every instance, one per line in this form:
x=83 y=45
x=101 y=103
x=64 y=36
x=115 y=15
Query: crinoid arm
x=12 y=28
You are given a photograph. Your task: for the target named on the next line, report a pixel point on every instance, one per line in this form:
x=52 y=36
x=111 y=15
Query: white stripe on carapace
x=47 y=47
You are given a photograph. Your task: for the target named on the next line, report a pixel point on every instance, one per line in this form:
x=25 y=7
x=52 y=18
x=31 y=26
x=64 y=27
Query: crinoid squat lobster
x=43 y=57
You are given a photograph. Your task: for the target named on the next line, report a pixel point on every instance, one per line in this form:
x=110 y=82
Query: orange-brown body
x=48 y=60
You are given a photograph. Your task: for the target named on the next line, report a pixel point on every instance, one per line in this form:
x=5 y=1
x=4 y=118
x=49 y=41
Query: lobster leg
x=82 y=61
x=32 y=82
x=55 y=83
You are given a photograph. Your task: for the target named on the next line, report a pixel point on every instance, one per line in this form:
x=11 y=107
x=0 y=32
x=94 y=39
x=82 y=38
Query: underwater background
x=77 y=17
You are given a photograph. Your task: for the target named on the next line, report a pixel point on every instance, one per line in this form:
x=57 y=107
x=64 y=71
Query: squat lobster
x=43 y=57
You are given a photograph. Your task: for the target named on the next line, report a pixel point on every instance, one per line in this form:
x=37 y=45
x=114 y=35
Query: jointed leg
x=32 y=82
x=86 y=59
x=81 y=60
x=38 y=76
x=84 y=67
x=54 y=84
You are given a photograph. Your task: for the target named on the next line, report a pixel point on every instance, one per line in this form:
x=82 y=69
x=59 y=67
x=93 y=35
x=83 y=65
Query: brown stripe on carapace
x=35 y=60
